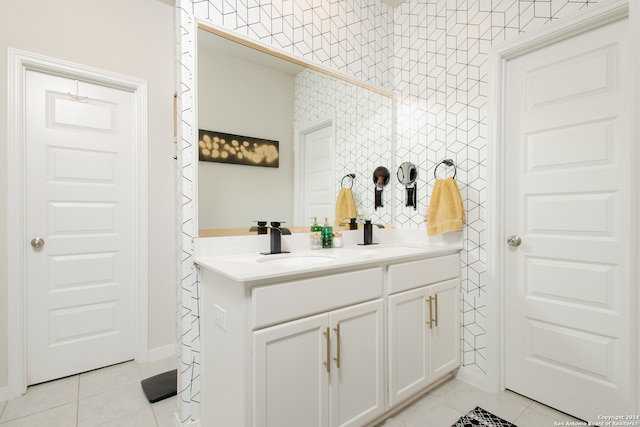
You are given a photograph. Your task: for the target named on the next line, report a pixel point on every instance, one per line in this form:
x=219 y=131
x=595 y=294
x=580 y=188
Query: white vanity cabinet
x=423 y=324
x=337 y=346
x=306 y=352
x=325 y=370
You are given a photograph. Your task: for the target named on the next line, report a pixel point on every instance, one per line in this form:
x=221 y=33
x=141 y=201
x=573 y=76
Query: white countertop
x=251 y=265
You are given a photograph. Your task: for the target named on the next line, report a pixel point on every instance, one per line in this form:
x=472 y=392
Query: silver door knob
x=37 y=242
x=514 y=241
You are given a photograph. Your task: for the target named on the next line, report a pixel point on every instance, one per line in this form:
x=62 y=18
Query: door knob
x=514 y=241
x=37 y=242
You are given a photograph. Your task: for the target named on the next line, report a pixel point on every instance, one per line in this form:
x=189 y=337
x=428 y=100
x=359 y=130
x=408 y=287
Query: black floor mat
x=161 y=386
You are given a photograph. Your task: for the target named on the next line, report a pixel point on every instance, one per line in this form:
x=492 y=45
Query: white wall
x=242 y=98
x=131 y=37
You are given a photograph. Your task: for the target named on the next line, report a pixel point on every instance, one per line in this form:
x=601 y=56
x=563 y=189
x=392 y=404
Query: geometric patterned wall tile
x=351 y=37
x=433 y=55
x=451 y=41
x=348 y=37
x=187 y=293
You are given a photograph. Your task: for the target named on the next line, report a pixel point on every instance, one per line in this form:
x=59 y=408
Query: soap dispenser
x=327 y=234
x=315 y=227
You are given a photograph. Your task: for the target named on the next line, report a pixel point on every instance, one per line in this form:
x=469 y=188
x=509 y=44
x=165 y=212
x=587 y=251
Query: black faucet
x=368 y=232
x=276 y=238
x=353 y=225
x=261 y=228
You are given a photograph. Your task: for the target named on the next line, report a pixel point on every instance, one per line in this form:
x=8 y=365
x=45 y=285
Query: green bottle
x=327 y=234
x=315 y=228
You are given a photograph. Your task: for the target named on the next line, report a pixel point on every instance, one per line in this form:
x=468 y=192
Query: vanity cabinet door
x=291 y=383
x=357 y=371
x=444 y=333
x=424 y=337
x=301 y=366
x=408 y=343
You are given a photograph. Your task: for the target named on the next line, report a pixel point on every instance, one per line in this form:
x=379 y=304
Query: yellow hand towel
x=345 y=206
x=446 y=212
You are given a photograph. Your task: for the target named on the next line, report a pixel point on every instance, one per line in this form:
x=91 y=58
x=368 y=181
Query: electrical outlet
x=221 y=317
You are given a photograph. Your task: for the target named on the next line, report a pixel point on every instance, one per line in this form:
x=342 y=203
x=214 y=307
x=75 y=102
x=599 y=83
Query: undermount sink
x=296 y=259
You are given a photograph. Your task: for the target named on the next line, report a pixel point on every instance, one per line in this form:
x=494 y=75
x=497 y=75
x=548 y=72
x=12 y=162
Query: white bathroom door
x=80 y=279
x=319 y=181
x=569 y=155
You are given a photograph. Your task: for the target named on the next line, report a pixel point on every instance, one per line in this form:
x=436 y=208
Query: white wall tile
x=433 y=55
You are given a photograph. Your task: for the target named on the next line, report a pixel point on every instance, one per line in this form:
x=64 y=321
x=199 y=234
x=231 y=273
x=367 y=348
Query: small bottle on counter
x=338 y=242
x=316 y=241
x=315 y=227
x=327 y=234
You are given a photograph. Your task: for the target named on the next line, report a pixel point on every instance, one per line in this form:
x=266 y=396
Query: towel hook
x=446 y=162
x=77 y=96
x=349 y=175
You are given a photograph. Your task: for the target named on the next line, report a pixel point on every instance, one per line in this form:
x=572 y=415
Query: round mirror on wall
x=407 y=175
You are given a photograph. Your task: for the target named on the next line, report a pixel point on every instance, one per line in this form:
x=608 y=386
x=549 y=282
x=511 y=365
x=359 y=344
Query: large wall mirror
x=326 y=127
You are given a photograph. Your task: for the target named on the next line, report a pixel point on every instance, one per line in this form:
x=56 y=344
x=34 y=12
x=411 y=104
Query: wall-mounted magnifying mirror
x=380 y=179
x=407 y=175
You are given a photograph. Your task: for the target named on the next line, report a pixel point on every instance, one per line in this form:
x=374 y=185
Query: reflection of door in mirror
x=315 y=195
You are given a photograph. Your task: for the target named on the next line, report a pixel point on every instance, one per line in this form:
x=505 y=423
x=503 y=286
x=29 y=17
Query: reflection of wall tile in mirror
x=364 y=127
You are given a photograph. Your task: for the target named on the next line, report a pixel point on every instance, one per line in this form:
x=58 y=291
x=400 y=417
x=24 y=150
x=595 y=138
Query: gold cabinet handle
x=430 y=312
x=328 y=338
x=337 y=358
x=436 y=319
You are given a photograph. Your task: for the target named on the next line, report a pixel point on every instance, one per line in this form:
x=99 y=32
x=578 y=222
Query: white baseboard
x=4 y=394
x=472 y=376
x=162 y=352
x=190 y=423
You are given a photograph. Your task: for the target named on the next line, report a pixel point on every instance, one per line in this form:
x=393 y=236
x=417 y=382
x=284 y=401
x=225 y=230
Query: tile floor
x=107 y=397
x=444 y=405
x=113 y=397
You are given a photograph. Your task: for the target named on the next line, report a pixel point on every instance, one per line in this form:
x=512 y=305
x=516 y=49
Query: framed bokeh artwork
x=236 y=149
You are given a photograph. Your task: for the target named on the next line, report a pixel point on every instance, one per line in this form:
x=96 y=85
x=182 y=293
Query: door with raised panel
x=317 y=194
x=80 y=279
x=569 y=192
x=408 y=339
x=357 y=370
x=291 y=380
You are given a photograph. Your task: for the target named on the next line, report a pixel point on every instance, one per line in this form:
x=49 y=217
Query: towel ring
x=446 y=162
x=349 y=175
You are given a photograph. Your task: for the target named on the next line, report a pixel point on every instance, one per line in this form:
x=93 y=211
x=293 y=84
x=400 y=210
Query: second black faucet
x=276 y=238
